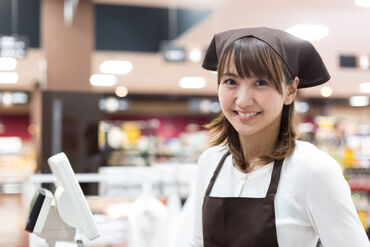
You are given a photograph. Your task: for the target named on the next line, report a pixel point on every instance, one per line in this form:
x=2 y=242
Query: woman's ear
x=291 y=91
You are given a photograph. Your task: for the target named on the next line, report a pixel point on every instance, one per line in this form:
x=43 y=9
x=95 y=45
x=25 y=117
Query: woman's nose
x=244 y=97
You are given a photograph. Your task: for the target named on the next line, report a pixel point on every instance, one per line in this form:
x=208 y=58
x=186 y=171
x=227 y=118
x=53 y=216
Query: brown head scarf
x=299 y=55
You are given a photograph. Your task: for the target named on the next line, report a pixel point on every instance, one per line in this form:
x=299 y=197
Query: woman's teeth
x=250 y=114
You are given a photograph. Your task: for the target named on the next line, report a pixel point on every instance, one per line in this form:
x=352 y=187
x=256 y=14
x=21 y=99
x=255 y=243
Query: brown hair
x=253 y=57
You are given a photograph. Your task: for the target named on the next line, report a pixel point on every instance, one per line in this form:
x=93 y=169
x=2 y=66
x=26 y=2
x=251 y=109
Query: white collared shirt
x=313 y=199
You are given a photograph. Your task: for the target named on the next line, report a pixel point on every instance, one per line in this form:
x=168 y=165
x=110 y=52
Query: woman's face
x=252 y=105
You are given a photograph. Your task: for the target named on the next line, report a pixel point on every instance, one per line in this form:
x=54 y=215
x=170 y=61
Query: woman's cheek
x=224 y=100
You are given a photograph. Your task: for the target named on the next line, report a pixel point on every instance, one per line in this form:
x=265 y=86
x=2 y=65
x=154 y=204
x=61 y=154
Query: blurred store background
x=118 y=86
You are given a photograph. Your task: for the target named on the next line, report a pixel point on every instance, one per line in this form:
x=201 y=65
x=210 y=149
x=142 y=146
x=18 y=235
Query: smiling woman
x=258 y=185
x=254 y=84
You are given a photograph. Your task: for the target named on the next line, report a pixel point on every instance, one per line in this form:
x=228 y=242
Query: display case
x=17 y=163
x=152 y=141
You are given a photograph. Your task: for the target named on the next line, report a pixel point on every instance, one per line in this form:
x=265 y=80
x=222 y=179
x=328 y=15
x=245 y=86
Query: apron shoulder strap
x=215 y=173
x=275 y=177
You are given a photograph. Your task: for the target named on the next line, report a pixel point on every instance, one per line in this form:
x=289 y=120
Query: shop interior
x=117 y=85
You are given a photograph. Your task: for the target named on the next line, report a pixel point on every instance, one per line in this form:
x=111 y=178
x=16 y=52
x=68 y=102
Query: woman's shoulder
x=312 y=159
x=211 y=156
x=213 y=153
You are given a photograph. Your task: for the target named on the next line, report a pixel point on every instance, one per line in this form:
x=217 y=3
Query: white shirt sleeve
x=197 y=237
x=330 y=207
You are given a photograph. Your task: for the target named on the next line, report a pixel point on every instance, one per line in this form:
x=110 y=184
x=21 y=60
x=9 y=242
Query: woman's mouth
x=246 y=116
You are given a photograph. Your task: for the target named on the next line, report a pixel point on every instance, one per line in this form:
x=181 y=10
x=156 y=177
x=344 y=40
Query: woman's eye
x=261 y=83
x=229 y=82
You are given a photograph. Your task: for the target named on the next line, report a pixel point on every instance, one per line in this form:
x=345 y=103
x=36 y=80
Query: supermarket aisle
x=12 y=221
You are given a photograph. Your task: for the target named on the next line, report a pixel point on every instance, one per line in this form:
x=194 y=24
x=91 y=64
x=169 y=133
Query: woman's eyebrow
x=228 y=74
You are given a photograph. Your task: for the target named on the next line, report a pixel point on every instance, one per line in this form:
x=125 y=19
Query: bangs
x=253 y=57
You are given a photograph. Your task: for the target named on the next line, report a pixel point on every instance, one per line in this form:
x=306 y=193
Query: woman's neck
x=260 y=144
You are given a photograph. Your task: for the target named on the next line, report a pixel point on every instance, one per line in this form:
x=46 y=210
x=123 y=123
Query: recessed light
x=364 y=87
x=7 y=99
x=32 y=129
x=364 y=62
x=8 y=77
x=111 y=104
x=195 y=55
x=326 y=91
x=116 y=67
x=309 y=32
x=19 y=98
x=192 y=82
x=100 y=80
x=121 y=91
x=173 y=53
x=8 y=63
x=301 y=106
x=363 y=3
x=358 y=101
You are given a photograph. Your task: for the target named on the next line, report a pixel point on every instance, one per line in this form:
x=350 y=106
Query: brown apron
x=240 y=222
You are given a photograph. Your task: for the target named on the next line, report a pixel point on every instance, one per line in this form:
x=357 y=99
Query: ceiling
x=348 y=25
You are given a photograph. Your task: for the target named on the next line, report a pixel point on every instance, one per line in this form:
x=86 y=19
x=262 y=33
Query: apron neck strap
x=275 y=177
x=216 y=172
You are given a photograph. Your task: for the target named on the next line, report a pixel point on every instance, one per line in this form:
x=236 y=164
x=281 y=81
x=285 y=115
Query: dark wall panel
x=188 y=17
x=129 y=28
x=65 y=124
x=132 y=28
x=118 y=27
x=5 y=17
x=28 y=20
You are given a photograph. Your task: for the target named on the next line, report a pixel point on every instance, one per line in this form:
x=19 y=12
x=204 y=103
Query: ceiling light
x=8 y=63
x=205 y=105
x=195 y=55
x=364 y=87
x=301 y=106
x=192 y=82
x=326 y=91
x=19 y=98
x=172 y=53
x=13 y=46
x=99 y=80
x=121 y=91
x=32 y=129
x=8 y=77
x=7 y=99
x=363 y=3
x=117 y=67
x=358 y=101
x=309 y=32
x=10 y=98
x=111 y=104
x=364 y=62
x=10 y=145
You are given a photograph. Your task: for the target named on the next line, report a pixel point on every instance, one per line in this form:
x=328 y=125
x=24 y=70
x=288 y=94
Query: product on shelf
x=144 y=142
